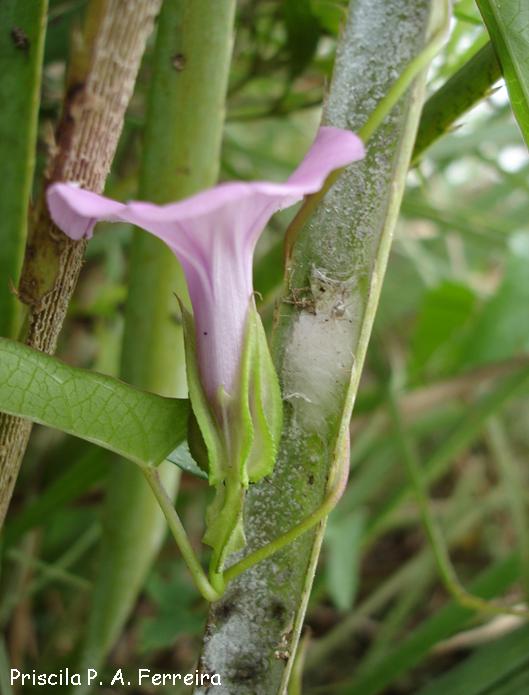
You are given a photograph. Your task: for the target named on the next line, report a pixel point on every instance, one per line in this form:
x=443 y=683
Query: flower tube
x=233 y=386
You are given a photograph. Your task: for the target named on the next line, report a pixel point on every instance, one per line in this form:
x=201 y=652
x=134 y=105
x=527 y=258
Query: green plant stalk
x=200 y=578
x=433 y=532
x=471 y=83
x=21 y=50
x=510 y=472
x=342 y=257
x=181 y=156
x=450 y=619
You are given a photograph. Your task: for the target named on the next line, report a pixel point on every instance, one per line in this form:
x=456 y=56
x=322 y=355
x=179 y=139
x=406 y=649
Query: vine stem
x=440 y=552
x=296 y=531
x=179 y=534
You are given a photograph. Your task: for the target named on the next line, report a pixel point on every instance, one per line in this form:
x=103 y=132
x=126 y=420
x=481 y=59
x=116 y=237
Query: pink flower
x=213 y=234
x=233 y=386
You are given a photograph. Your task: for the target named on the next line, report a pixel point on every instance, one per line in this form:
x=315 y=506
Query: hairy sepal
x=201 y=410
x=241 y=448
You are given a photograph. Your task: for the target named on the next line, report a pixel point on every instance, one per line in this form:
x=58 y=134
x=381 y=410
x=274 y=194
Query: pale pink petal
x=213 y=234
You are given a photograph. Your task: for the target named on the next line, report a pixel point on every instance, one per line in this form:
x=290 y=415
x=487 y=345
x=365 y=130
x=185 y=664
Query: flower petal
x=213 y=234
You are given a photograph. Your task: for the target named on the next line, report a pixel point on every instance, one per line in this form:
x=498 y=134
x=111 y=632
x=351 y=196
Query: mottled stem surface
x=101 y=79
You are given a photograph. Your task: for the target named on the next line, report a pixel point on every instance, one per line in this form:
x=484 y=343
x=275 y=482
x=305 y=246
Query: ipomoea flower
x=213 y=234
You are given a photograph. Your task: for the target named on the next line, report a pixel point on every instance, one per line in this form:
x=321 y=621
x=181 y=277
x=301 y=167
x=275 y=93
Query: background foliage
x=452 y=330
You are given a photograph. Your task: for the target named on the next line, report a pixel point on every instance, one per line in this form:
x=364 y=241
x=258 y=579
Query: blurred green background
x=453 y=323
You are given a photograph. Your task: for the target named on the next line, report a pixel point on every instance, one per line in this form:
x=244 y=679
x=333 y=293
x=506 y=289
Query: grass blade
x=508 y=25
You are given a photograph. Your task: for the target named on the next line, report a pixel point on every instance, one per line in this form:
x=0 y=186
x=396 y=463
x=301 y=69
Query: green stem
x=437 y=542
x=179 y=534
x=20 y=77
x=510 y=472
x=299 y=529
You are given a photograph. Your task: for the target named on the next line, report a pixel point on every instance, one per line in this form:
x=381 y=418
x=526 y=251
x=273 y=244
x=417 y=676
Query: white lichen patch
x=319 y=357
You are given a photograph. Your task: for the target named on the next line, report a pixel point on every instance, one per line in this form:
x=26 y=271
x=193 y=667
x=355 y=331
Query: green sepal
x=204 y=417
x=242 y=447
x=224 y=523
x=197 y=445
x=265 y=403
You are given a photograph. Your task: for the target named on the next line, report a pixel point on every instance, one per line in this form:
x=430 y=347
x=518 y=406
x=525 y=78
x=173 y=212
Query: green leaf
x=502 y=330
x=489 y=670
x=445 y=312
x=471 y=83
x=303 y=32
x=343 y=545
x=140 y=426
x=508 y=25
x=21 y=47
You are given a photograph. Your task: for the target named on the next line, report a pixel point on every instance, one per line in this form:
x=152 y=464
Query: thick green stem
x=405 y=79
x=21 y=48
x=376 y=118
x=181 y=156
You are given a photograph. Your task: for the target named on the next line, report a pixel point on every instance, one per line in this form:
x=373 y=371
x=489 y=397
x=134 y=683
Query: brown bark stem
x=102 y=75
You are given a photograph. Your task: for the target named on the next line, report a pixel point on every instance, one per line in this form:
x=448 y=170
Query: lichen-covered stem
x=102 y=74
x=302 y=527
x=341 y=255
